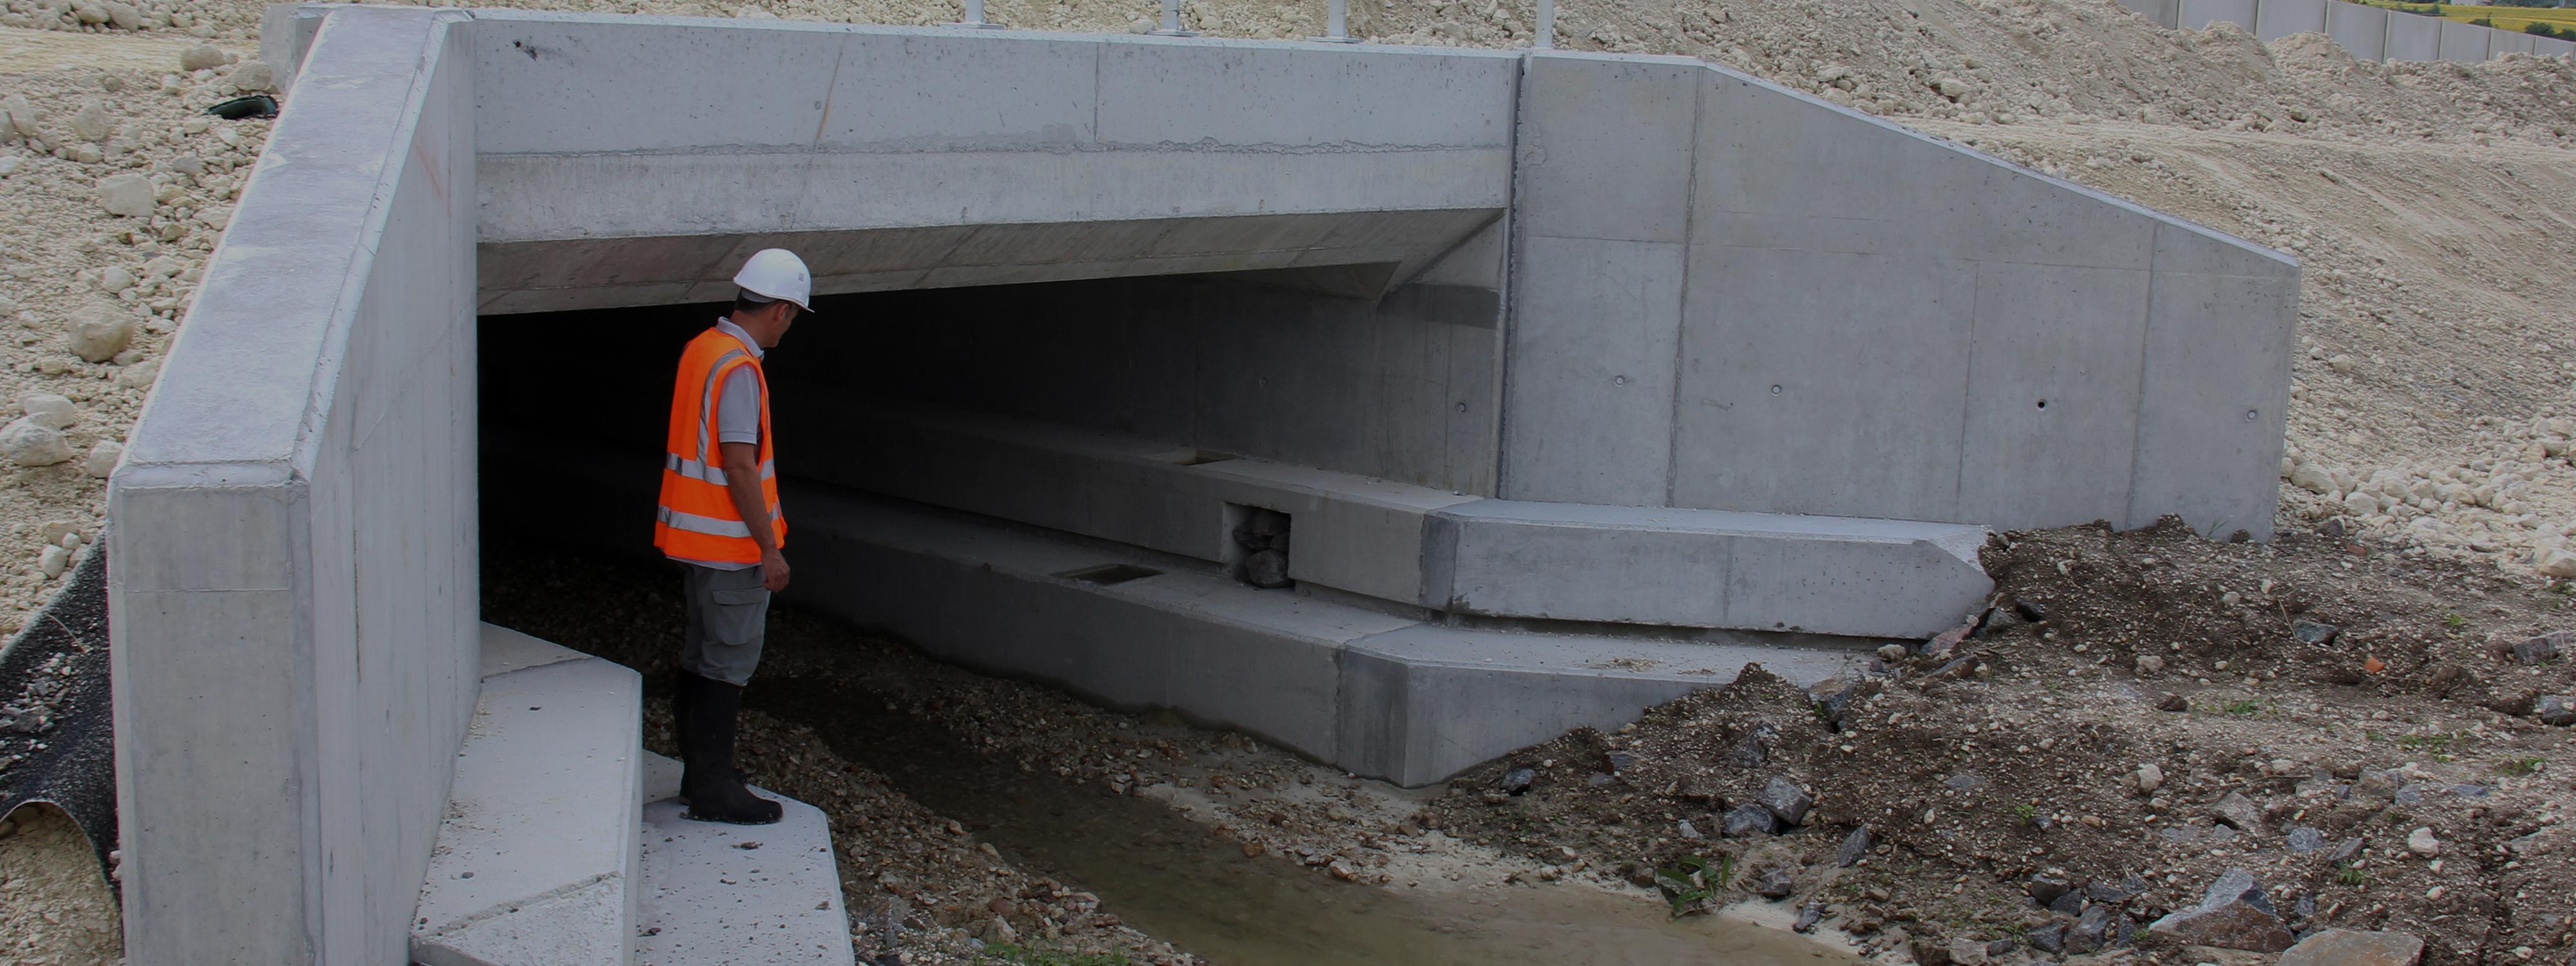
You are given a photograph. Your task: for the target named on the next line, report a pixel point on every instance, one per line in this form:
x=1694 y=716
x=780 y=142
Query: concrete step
x=536 y=860
x=1417 y=545
x=1377 y=693
x=722 y=894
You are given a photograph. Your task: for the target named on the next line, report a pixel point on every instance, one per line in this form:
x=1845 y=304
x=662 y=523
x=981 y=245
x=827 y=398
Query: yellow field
x=2508 y=18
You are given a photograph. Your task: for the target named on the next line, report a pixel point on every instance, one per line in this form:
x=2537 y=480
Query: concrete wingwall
x=2367 y=32
x=1729 y=296
x=295 y=595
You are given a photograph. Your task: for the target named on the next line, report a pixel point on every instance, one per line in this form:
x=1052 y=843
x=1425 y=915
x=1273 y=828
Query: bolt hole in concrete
x=878 y=706
x=2043 y=404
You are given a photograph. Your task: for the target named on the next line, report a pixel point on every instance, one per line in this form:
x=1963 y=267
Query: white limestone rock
x=91 y=122
x=103 y=457
x=29 y=443
x=201 y=57
x=99 y=332
x=52 y=561
x=129 y=195
x=48 y=409
x=139 y=375
x=252 y=76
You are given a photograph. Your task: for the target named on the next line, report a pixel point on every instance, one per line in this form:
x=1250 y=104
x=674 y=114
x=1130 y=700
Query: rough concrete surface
x=714 y=893
x=536 y=858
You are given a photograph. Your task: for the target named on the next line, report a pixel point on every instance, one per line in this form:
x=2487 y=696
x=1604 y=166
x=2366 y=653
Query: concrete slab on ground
x=536 y=859
x=714 y=894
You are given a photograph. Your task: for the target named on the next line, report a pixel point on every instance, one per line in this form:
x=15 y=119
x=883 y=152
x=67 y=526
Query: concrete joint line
x=511 y=907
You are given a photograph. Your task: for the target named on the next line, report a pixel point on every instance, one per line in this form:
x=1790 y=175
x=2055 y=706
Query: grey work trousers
x=728 y=618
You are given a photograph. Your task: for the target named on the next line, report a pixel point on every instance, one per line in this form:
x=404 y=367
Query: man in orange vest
x=720 y=522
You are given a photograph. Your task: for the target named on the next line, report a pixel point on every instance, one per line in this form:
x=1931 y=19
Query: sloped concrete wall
x=1729 y=296
x=295 y=595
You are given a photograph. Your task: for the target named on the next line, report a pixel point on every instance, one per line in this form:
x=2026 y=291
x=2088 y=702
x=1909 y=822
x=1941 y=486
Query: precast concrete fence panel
x=295 y=592
x=2199 y=14
x=2275 y=19
x=2414 y=38
x=2507 y=42
x=2553 y=47
x=2162 y=13
x=2465 y=43
x=2361 y=29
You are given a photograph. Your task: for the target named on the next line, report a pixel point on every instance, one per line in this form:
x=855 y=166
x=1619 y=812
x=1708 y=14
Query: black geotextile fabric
x=54 y=732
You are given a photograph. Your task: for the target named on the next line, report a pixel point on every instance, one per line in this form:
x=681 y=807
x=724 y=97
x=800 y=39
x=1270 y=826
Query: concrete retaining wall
x=1809 y=310
x=296 y=592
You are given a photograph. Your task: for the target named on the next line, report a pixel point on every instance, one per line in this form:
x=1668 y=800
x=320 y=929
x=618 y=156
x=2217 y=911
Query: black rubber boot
x=713 y=788
x=684 y=696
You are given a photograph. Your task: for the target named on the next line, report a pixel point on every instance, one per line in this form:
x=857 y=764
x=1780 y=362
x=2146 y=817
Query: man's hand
x=773 y=571
x=742 y=482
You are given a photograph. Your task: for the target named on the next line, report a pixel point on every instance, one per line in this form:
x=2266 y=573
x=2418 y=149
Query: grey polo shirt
x=737 y=417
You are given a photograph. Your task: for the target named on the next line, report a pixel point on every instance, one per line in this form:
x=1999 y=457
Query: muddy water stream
x=1170 y=877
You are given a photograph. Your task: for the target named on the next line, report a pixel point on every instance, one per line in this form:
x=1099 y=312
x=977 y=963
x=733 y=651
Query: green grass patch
x=2248 y=706
x=2518 y=767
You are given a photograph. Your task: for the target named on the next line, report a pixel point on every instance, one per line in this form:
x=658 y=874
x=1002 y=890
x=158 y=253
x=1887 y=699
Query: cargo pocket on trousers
x=738 y=614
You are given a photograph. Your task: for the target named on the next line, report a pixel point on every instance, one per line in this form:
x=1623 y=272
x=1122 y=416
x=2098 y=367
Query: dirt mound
x=2140 y=713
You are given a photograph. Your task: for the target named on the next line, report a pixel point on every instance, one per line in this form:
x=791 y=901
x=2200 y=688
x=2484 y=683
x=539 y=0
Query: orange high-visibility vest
x=697 y=520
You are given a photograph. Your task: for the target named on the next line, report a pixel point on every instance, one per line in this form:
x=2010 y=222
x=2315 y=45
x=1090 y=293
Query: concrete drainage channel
x=1401 y=407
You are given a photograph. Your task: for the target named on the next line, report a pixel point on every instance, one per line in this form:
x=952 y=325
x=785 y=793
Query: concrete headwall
x=935 y=158
x=2367 y=32
x=295 y=592
x=1729 y=296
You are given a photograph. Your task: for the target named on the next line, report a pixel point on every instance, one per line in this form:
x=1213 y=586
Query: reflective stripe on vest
x=697 y=519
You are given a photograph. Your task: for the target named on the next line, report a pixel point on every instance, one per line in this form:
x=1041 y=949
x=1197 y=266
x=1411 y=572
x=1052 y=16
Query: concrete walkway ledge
x=714 y=894
x=536 y=859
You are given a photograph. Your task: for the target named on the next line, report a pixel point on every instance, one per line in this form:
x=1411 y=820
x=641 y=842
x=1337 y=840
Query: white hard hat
x=776 y=274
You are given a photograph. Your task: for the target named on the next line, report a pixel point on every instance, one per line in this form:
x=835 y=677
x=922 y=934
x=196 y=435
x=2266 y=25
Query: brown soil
x=2018 y=753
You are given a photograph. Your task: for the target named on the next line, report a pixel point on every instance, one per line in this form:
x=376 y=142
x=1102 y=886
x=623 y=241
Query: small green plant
x=1692 y=878
x=2247 y=706
x=2455 y=620
x=2434 y=741
x=2353 y=877
x=2027 y=813
x=2563 y=587
x=2518 y=767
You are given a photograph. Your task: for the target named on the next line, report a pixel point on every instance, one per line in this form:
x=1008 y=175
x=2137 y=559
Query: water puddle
x=1172 y=878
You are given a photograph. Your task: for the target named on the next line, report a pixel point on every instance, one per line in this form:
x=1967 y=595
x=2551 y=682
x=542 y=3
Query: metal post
x=1546 y=25
x=975 y=17
x=1172 y=21
x=1336 y=20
